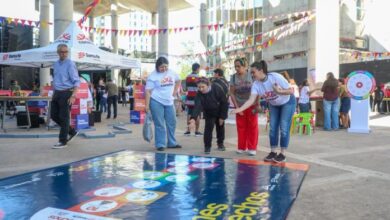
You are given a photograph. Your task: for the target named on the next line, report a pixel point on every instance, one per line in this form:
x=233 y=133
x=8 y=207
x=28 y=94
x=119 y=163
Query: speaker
x=21 y=119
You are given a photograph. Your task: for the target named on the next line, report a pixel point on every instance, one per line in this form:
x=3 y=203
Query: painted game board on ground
x=137 y=185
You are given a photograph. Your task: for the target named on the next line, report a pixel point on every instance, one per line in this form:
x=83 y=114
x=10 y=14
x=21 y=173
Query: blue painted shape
x=235 y=189
x=122 y=132
x=94 y=136
x=82 y=121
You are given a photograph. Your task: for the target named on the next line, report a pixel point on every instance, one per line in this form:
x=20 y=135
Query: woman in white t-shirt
x=304 y=98
x=161 y=88
x=277 y=91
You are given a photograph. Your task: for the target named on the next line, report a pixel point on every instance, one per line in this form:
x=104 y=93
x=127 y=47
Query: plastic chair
x=305 y=123
x=294 y=123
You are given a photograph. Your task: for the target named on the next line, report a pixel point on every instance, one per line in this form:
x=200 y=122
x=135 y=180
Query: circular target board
x=360 y=84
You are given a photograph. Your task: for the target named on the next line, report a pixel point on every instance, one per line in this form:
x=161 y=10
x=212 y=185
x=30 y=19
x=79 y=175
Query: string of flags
x=88 y=10
x=154 y=31
x=210 y=27
x=366 y=55
x=269 y=38
x=24 y=22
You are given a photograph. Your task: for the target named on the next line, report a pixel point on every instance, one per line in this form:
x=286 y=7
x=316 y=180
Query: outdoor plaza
x=105 y=169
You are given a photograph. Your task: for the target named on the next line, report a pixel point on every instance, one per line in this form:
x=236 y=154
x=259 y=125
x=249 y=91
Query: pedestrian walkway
x=348 y=176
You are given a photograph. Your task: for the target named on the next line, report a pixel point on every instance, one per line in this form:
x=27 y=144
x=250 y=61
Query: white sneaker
x=240 y=151
x=59 y=145
x=252 y=152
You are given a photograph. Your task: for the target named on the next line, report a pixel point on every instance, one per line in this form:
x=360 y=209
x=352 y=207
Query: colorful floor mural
x=136 y=185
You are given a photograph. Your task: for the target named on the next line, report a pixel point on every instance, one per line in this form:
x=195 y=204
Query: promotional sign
x=137 y=117
x=80 y=106
x=139 y=104
x=138 y=185
x=360 y=84
x=139 y=91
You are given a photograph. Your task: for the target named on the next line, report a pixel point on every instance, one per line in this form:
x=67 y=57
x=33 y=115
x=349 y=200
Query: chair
x=294 y=123
x=305 y=124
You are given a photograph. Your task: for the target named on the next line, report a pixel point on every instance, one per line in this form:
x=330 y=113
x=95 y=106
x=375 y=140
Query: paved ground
x=349 y=176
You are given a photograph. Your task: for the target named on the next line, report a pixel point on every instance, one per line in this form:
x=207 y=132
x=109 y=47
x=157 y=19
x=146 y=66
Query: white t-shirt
x=304 y=97
x=162 y=86
x=265 y=89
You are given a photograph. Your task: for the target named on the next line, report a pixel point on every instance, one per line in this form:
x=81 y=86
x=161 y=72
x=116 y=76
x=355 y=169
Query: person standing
x=331 y=102
x=66 y=82
x=275 y=88
x=247 y=125
x=100 y=90
x=131 y=96
x=192 y=90
x=304 y=97
x=345 y=105
x=161 y=87
x=213 y=101
x=378 y=99
x=112 y=98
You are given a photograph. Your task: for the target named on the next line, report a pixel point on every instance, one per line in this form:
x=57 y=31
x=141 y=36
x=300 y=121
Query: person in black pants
x=66 y=81
x=112 y=97
x=212 y=99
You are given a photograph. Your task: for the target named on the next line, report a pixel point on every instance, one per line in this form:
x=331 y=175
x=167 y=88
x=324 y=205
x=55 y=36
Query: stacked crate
x=137 y=116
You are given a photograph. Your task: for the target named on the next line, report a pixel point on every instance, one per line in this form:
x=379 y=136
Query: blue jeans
x=331 y=114
x=164 y=119
x=280 y=118
x=304 y=107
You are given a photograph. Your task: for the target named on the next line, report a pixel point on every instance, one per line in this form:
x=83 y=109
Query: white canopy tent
x=82 y=51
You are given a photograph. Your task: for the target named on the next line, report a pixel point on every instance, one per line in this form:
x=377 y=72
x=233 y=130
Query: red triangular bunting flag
x=130 y=32
x=16 y=21
x=29 y=22
x=107 y=30
x=23 y=22
x=210 y=26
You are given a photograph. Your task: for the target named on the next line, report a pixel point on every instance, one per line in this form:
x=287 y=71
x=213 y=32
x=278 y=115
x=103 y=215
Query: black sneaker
x=280 y=158
x=72 y=136
x=59 y=145
x=160 y=149
x=176 y=146
x=221 y=147
x=270 y=157
x=187 y=133
x=198 y=134
x=207 y=150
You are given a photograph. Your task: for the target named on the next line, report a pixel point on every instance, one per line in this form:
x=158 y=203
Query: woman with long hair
x=345 y=105
x=331 y=102
x=278 y=92
x=161 y=88
x=246 y=121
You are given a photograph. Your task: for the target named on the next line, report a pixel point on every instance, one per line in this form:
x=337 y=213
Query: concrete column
x=154 y=37
x=63 y=16
x=114 y=38
x=44 y=39
x=91 y=24
x=114 y=25
x=162 y=24
x=324 y=39
x=204 y=20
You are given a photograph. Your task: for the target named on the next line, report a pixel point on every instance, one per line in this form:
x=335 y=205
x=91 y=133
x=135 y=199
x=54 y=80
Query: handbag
x=147 y=130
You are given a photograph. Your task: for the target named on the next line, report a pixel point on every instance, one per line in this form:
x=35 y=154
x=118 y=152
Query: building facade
x=237 y=37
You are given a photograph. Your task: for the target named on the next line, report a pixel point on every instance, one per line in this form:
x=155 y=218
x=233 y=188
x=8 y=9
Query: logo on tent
x=81 y=37
x=81 y=55
x=5 y=57
x=64 y=36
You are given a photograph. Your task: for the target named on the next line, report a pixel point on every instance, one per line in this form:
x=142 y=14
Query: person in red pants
x=246 y=121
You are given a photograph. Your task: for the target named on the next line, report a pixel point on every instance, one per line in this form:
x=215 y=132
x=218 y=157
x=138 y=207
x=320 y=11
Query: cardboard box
x=139 y=104
x=80 y=106
x=137 y=117
x=82 y=121
x=46 y=90
x=139 y=92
